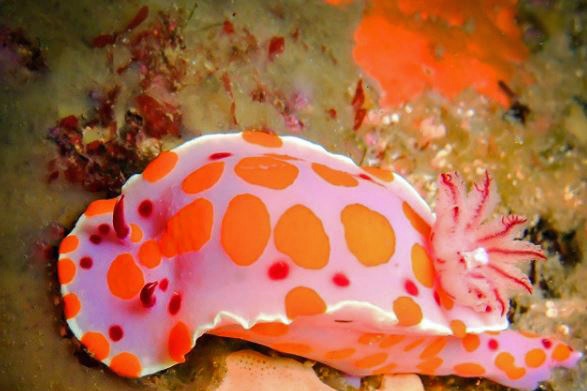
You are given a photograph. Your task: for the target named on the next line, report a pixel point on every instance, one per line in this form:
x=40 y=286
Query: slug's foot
x=476 y=258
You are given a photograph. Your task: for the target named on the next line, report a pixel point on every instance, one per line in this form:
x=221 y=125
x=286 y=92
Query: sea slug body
x=274 y=240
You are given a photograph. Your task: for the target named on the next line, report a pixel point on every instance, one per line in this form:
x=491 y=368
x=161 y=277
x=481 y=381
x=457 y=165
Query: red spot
x=96 y=239
x=331 y=113
x=219 y=155
x=104 y=229
x=115 y=332
x=146 y=208
x=546 y=343
x=104 y=40
x=148 y=294
x=488 y=309
x=278 y=271
x=86 y=263
x=118 y=220
x=340 y=279
x=276 y=46
x=139 y=18
x=228 y=27
x=411 y=288
x=436 y=297
x=493 y=344
x=174 y=303
x=163 y=284
x=366 y=177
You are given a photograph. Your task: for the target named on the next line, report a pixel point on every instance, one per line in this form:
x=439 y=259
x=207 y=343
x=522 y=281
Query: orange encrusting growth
x=410 y=46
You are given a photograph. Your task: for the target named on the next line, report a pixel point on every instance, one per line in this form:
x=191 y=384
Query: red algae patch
x=412 y=46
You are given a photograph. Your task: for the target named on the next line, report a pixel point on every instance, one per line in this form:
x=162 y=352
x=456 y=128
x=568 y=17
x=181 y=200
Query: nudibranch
x=277 y=241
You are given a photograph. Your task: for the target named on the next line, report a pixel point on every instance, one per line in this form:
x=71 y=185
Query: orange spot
x=396 y=44
x=387 y=369
x=280 y=156
x=203 y=178
x=414 y=344
x=429 y=367
x=267 y=172
x=422 y=266
x=528 y=334
x=231 y=332
x=561 y=352
x=303 y=301
x=126 y=364
x=435 y=347
x=65 y=270
x=180 y=342
x=368 y=234
x=71 y=305
x=535 y=358
x=270 y=329
x=262 y=138
x=416 y=220
x=371 y=361
x=470 y=342
x=189 y=229
x=446 y=301
x=379 y=173
x=68 y=244
x=390 y=340
x=408 y=312
x=370 y=338
x=245 y=229
x=339 y=354
x=96 y=344
x=505 y=362
x=100 y=207
x=125 y=279
x=299 y=349
x=299 y=233
x=136 y=233
x=334 y=177
x=469 y=369
x=458 y=328
x=149 y=254
x=160 y=167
